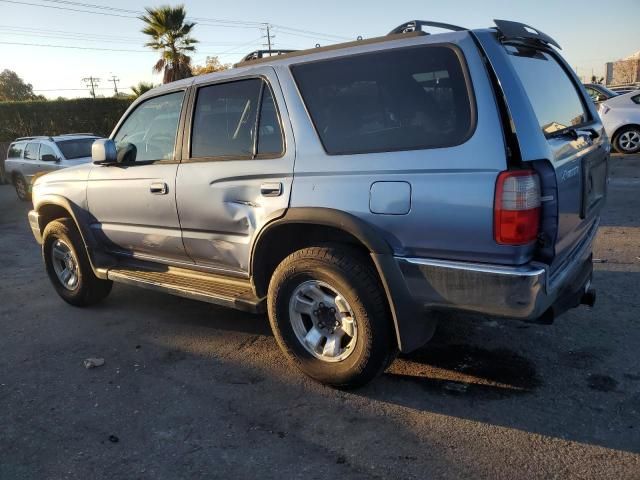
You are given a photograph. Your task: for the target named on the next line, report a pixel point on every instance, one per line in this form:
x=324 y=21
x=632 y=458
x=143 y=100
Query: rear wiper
x=574 y=133
x=565 y=132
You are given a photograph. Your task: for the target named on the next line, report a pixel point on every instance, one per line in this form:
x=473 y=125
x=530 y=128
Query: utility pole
x=92 y=83
x=115 y=81
x=268 y=36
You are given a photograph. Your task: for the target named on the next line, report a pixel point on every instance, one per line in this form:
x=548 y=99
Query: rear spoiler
x=515 y=31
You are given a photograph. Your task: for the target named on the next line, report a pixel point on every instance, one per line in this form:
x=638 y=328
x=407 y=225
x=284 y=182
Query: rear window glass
x=76 y=148
x=15 y=150
x=400 y=99
x=552 y=93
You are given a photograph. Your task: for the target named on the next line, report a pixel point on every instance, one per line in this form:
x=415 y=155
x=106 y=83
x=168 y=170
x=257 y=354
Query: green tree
x=170 y=35
x=13 y=88
x=141 y=88
x=212 y=64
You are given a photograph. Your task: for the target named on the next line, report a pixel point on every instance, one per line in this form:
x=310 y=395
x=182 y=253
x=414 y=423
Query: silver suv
x=30 y=157
x=349 y=191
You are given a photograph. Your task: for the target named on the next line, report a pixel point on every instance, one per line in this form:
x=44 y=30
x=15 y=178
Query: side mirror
x=48 y=157
x=103 y=151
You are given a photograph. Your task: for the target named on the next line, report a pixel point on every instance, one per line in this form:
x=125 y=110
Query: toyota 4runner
x=349 y=191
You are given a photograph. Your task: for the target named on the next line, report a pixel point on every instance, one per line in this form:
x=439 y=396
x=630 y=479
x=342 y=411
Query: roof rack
x=516 y=31
x=263 y=53
x=416 y=25
x=34 y=137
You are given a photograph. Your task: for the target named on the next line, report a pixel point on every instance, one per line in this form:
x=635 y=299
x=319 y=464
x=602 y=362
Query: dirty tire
x=348 y=271
x=89 y=288
x=22 y=188
x=627 y=140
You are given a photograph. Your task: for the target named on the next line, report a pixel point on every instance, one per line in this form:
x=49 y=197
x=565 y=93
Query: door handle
x=159 y=188
x=271 y=189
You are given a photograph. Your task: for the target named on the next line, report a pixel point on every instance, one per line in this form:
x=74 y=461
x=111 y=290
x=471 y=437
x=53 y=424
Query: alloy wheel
x=323 y=321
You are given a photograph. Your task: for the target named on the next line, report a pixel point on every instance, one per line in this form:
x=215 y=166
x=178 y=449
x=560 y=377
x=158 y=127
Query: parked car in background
x=349 y=191
x=599 y=93
x=621 y=118
x=30 y=157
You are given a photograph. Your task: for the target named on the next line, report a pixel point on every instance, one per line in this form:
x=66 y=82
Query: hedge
x=95 y=115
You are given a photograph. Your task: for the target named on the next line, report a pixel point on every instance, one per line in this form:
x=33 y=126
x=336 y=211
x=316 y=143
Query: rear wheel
x=329 y=315
x=22 y=189
x=68 y=266
x=627 y=140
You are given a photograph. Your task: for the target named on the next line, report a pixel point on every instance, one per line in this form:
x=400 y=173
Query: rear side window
x=31 y=152
x=15 y=150
x=227 y=121
x=552 y=93
x=400 y=99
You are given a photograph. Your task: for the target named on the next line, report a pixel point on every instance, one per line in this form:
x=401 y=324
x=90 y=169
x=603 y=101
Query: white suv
x=30 y=157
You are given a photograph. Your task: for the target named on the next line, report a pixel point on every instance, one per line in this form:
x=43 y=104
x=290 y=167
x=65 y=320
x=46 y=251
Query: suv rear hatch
x=556 y=131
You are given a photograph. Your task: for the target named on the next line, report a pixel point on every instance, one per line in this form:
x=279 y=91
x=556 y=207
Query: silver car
x=349 y=191
x=30 y=157
x=621 y=118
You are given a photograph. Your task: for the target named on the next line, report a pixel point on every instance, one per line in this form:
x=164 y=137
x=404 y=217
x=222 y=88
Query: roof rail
x=516 y=31
x=84 y=134
x=262 y=53
x=416 y=25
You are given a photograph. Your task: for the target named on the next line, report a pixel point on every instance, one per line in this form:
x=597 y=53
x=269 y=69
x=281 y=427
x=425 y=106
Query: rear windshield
x=400 y=99
x=76 y=148
x=15 y=150
x=552 y=94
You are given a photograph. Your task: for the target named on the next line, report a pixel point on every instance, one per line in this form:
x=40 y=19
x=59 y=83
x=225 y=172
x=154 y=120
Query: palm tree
x=170 y=35
x=141 y=88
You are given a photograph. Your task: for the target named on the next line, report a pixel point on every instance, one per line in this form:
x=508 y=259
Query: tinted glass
x=636 y=99
x=269 y=131
x=149 y=132
x=224 y=121
x=552 y=93
x=15 y=150
x=46 y=150
x=72 y=149
x=399 y=99
x=31 y=152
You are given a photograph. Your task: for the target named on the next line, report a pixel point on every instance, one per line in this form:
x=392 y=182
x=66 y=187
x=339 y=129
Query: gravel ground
x=190 y=390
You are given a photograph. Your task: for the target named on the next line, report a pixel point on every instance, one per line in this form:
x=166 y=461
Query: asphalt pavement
x=191 y=391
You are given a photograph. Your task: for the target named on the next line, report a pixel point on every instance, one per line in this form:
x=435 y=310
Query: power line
x=75 y=47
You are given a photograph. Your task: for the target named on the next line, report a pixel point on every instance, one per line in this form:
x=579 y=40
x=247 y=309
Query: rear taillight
x=516 y=210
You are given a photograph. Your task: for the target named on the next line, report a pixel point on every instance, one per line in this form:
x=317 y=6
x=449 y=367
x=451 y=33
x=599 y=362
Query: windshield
x=76 y=148
x=609 y=92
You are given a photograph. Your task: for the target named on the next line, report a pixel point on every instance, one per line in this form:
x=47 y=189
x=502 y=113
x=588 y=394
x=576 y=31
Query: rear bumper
x=528 y=292
x=34 y=223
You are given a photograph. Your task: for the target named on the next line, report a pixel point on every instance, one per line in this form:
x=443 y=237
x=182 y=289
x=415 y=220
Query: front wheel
x=329 y=315
x=628 y=140
x=68 y=266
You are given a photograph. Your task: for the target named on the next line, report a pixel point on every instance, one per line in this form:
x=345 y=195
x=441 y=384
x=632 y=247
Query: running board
x=224 y=291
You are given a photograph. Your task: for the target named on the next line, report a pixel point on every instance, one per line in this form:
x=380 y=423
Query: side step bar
x=224 y=291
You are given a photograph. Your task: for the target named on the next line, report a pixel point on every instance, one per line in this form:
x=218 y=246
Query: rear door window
x=553 y=95
x=31 y=152
x=399 y=99
x=227 y=122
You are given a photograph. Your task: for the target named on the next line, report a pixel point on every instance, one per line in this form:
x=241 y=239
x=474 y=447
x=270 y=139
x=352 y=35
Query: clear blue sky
x=590 y=32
